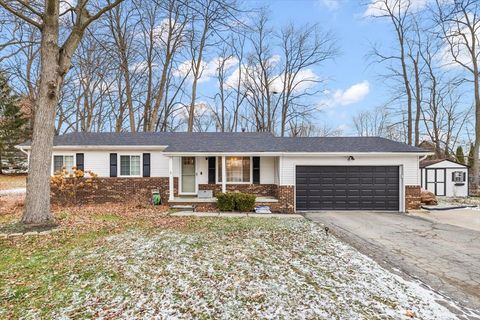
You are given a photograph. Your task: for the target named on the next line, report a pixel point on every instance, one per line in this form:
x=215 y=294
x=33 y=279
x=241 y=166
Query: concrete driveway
x=442 y=256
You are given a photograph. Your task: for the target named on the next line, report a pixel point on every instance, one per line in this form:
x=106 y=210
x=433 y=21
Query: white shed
x=444 y=177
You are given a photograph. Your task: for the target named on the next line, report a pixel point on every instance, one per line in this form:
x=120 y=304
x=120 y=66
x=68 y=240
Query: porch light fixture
x=350 y=158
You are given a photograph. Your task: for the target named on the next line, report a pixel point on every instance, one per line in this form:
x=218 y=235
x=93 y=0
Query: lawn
x=144 y=264
x=12 y=181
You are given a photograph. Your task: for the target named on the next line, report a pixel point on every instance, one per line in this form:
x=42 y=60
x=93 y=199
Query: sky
x=354 y=82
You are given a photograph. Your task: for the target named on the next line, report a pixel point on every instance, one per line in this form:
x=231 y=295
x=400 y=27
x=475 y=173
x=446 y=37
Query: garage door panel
x=347 y=188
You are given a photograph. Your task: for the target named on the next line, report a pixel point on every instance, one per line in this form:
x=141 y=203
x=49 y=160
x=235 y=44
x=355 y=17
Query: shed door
x=435 y=180
x=347 y=188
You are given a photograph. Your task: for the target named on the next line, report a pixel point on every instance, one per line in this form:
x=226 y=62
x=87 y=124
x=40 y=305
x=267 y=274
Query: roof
x=427 y=163
x=233 y=142
x=346 y=144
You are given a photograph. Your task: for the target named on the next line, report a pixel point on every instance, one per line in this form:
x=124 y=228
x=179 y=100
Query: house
x=444 y=177
x=289 y=174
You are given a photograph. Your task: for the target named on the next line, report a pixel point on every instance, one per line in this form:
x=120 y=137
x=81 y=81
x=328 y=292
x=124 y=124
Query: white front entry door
x=188 y=175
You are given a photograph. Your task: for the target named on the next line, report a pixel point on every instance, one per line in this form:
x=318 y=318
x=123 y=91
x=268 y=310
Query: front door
x=188 y=175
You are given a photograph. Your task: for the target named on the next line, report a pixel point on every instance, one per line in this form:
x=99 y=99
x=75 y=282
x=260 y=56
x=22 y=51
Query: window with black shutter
x=256 y=170
x=113 y=164
x=80 y=161
x=146 y=164
x=211 y=170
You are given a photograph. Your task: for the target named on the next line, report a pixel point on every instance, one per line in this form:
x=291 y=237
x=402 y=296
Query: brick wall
x=413 y=197
x=118 y=190
x=259 y=190
x=286 y=199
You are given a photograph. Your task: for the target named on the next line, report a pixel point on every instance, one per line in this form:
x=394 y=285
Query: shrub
x=69 y=184
x=244 y=202
x=225 y=201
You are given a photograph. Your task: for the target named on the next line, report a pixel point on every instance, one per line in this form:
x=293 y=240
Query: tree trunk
x=37 y=201
x=418 y=102
x=476 y=148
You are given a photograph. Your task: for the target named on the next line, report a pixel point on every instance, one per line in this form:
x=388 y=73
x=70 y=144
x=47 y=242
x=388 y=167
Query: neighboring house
x=444 y=177
x=289 y=174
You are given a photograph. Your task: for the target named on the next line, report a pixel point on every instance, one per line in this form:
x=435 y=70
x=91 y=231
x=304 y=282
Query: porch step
x=182 y=207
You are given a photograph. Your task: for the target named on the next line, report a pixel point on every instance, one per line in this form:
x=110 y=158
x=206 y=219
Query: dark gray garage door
x=347 y=188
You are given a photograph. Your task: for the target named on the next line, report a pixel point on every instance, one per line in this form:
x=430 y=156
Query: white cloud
x=330 y=4
x=459 y=46
x=305 y=79
x=208 y=69
x=232 y=79
x=377 y=7
x=352 y=95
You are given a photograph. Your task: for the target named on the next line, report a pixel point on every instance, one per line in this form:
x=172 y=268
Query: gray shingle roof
x=233 y=142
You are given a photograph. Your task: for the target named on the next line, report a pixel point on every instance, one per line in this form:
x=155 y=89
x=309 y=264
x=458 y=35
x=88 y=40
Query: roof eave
x=102 y=147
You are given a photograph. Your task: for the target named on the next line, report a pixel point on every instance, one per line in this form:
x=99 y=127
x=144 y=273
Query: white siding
x=446 y=164
x=452 y=190
x=99 y=161
x=267 y=170
x=158 y=164
x=202 y=170
x=409 y=163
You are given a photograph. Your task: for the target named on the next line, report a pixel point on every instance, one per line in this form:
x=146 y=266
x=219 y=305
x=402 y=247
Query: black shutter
x=211 y=170
x=113 y=164
x=79 y=161
x=453 y=176
x=464 y=176
x=146 y=164
x=256 y=170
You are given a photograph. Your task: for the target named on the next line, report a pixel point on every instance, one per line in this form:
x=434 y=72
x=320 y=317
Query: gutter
x=103 y=147
x=24 y=152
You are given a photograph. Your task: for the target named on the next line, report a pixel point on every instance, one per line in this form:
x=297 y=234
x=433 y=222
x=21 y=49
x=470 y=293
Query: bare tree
x=399 y=14
x=377 y=123
x=304 y=128
x=302 y=48
x=55 y=61
x=209 y=19
x=459 y=21
x=261 y=72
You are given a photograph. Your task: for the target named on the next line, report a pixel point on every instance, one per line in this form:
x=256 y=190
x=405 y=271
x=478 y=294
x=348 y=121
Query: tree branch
x=20 y=15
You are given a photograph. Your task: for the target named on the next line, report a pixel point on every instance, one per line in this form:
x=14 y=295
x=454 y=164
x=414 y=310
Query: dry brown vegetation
x=12 y=181
x=86 y=218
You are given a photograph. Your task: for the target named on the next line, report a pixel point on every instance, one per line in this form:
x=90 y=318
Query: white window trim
x=180 y=192
x=62 y=155
x=119 y=165
x=461 y=176
x=226 y=182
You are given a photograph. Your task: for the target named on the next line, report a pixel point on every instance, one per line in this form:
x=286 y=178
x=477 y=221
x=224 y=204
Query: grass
x=12 y=181
x=109 y=263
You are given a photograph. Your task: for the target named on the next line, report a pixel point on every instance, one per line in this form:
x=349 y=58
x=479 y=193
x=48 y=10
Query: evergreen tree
x=460 y=155
x=13 y=125
x=470 y=156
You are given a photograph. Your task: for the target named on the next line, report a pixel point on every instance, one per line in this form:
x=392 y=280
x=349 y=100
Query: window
x=60 y=162
x=237 y=168
x=129 y=165
x=458 y=176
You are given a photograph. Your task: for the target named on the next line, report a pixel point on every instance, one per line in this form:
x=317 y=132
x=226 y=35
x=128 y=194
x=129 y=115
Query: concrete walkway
x=444 y=257
x=234 y=214
x=468 y=218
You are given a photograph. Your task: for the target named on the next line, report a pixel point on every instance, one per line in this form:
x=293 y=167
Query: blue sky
x=355 y=35
x=354 y=81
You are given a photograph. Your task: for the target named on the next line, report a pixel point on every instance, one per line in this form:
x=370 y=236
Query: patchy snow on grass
x=242 y=268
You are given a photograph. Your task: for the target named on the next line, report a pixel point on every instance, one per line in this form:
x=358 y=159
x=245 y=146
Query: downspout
x=26 y=153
